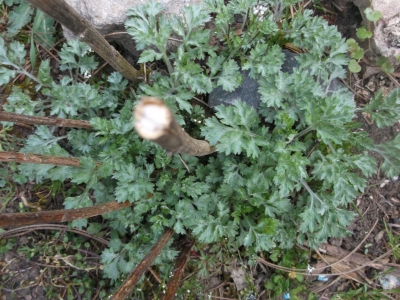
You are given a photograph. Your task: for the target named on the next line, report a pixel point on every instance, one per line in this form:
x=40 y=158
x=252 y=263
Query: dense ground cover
x=284 y=175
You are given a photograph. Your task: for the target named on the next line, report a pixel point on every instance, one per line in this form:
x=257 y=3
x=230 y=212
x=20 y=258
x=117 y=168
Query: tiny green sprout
x=372 y=15
x=351 y=45
x=385 y=64
x=356 y=52
x=362 y=33
x=354 y=67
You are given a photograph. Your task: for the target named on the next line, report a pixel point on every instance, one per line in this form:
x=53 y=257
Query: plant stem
x=179 y=268
x=301 y=133
x=22 y=71
x=32 y=120
x=245 y=19
x=19 y=118
x=155 y=122
x=167 y=62
x=39 y=159
x=127 y=287
x=56 y=216
x=169 y=66
x=310 y=191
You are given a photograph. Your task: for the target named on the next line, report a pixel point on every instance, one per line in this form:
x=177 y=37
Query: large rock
x=109 y=16
x=386 y=38
x=248 y=90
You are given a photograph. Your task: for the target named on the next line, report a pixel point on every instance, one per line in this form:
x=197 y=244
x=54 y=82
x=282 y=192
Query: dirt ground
x=380 y=201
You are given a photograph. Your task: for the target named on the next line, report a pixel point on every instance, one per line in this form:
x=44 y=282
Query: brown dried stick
x=155 y=122
x=18 y=231
x=57 y=216
x=126 y=288
x=18 y=118
x=39 y=159
x=179 y=268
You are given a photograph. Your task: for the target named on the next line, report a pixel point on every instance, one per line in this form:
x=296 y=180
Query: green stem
x=301 y=133
x=310 y=191
x=245 y=19
x=77 y=72
x=169 y=66
x=331 y=147
x=54 y=140
x=240 y=46
x=21 y=71
x=167 y=62
x=228 y=37
x=234 y=52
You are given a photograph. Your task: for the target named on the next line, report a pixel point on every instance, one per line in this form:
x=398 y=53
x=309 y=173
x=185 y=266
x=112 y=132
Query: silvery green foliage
x=21 y=13
x=11 y=58
x=282 y=175
x=65 y=98
x=19 y=16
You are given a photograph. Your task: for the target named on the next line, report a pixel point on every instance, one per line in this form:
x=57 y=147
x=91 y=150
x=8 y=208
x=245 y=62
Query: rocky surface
x=248 y=90
x=109 y=16
x=386 y=38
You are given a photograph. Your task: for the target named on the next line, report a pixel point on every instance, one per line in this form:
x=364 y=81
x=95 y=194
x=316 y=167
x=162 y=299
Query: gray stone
x=386 y=31
x=388 y=8
x=108 y=17
x=248 y=90
x=239 y=278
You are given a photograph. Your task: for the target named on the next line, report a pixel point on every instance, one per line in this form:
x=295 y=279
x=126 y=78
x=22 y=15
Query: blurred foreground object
x=155 y=122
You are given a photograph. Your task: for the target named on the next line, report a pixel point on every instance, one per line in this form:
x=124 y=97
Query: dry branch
x=179 y=268
x=26 y=229
x=155 y=122
x=129 y=284
x=345 y=266
x=62 y=12
x=18 y=118
x=39 y=159
x=57 y=216
x=356 y=258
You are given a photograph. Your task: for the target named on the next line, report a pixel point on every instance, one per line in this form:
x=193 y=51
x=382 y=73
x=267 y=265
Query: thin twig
x=127 y=287
x=31 y=228
x=62 y=215
x=179 y=268
x=322 y=268
x=18 y=289
x=201 y=101
x=316 y=291
x=184 y=163
x=39 y=159
x=155 y=275
x=393 y=79
x=33 y=120
x=333 y=274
